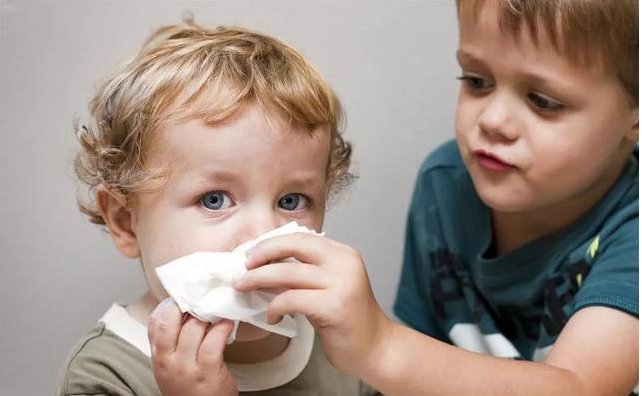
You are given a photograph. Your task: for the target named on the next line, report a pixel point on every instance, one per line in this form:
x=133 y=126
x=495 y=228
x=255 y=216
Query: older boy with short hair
x=207 y=138
x=522 y=238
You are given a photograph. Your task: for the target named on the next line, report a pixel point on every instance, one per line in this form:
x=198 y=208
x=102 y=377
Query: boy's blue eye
x=293 y=201
x=543 y=103
x=216 y=200
x=475 y=82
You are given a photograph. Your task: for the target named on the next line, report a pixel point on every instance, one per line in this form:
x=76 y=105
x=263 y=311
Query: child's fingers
x=164 y=326
x=210 y=353
x=190 y=338
x=282 y=275
x=304 y=247
x=291 y=302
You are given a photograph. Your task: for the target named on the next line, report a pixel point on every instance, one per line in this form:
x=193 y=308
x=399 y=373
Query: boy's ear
x=118 y=219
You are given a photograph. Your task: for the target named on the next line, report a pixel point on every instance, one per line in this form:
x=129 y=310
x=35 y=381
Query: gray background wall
x=391 y=62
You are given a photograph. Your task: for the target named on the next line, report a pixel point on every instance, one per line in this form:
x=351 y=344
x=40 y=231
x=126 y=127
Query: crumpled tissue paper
x=201 y=284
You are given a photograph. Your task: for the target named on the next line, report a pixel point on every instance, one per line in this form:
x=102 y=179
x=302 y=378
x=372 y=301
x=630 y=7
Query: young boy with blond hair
x=207 y=138
x=520 y=274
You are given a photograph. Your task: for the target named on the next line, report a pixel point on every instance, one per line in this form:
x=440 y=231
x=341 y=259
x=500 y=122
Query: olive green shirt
x=103 y=363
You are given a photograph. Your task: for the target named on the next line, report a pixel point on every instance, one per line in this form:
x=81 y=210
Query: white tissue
x=201 y=284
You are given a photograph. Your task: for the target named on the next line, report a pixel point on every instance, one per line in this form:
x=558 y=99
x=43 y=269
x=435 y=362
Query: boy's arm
x=596 y=354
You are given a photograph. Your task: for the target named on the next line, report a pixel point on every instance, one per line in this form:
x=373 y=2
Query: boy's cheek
x=314 y=218
x=173 y=242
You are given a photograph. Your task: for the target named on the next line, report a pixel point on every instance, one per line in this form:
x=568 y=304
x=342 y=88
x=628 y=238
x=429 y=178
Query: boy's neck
x=512 y=230
x=256 y=351
x=239 y=352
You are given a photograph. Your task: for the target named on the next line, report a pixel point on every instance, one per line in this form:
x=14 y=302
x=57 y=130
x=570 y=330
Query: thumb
x=213 y=345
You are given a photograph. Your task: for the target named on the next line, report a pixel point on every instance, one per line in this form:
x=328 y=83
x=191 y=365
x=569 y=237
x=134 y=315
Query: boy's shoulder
x=622 y=201
x=445 y=156
x=444 y=170
x=101 y=362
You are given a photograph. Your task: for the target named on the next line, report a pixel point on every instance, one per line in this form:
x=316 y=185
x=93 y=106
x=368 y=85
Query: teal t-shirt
x=514 y=305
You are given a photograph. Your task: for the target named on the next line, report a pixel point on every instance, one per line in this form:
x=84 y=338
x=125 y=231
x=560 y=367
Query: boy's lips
x=490 y=161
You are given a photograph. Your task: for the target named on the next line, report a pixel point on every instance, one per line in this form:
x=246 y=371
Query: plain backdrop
x=391 y=62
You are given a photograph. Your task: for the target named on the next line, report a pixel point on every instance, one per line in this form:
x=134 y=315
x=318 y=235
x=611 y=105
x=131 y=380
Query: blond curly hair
x=176 y=69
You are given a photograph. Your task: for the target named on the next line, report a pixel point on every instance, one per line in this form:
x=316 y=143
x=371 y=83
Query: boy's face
x=535 y=131
x=228 y=184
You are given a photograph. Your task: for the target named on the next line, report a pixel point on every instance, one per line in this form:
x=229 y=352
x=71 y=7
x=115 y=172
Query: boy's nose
x=256 y=223
x=497 y=118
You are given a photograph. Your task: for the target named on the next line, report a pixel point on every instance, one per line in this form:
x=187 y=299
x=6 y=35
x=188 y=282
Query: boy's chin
x=247 y=332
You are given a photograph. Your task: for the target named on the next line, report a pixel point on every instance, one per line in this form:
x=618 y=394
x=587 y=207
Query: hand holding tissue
x=201 y=284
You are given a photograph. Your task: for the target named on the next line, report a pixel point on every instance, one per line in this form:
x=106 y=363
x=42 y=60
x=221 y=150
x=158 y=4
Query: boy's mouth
x=490 y=161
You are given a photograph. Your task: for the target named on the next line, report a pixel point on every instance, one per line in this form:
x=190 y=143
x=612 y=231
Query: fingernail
x=166 y=301
x=237 y=279
x=160 y=309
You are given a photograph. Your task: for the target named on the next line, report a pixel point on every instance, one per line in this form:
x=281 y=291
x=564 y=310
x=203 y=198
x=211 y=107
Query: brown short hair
x=586 y=31
x=176 y=68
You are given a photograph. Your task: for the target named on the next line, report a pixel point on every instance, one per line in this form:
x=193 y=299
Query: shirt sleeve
x=613 y=280
x=102 y=363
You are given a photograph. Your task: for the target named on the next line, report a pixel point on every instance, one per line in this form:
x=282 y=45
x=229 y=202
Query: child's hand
x=187 y=355
x=330 y=286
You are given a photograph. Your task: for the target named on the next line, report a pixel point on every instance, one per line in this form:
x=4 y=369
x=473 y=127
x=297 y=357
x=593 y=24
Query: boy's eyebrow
x=539 y=77
x=302 y=181
x=463 y=56
x=197 y=178
x=546 y=81
x=295 y=180
x=219 y=175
